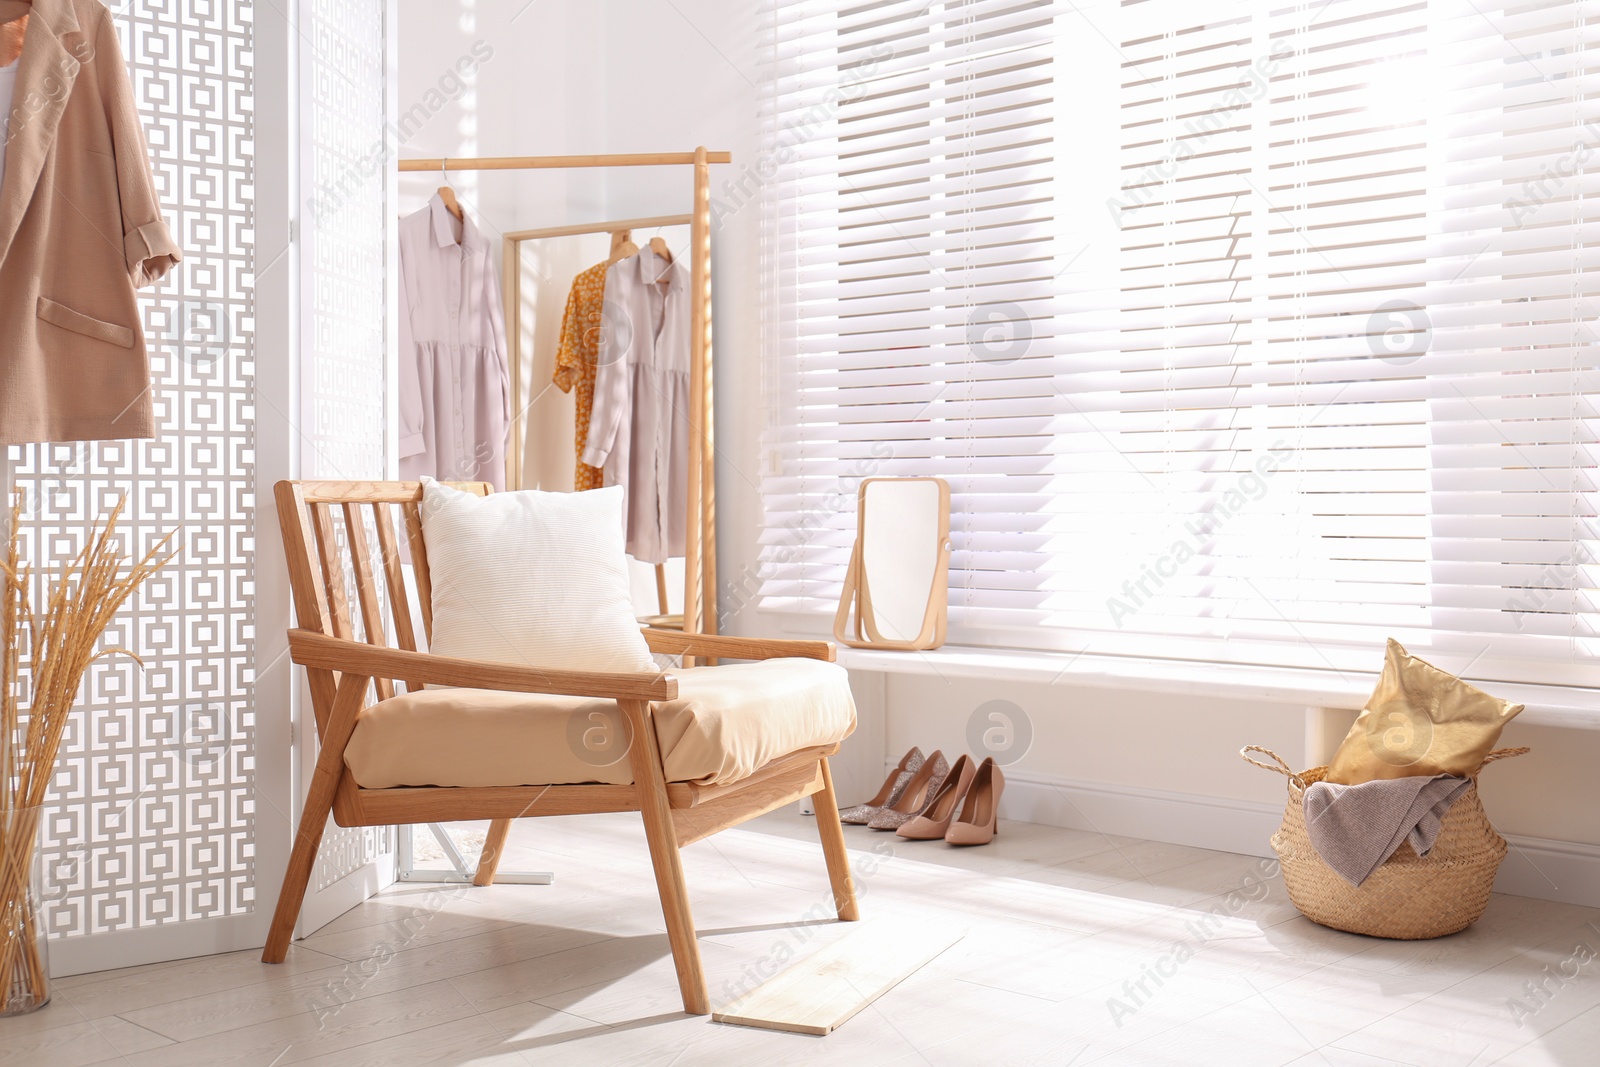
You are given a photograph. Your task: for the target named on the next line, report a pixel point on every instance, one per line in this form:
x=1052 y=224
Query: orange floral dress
x=577 y=358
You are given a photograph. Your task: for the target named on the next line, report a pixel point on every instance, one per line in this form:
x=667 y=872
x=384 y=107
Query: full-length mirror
x=555 y=279
x=897 y=584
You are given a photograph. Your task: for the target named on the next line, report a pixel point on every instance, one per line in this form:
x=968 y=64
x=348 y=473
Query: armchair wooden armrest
x=678 y=643
x=310 y=649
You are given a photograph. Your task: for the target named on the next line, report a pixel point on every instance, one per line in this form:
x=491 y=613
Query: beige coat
x=80 y=227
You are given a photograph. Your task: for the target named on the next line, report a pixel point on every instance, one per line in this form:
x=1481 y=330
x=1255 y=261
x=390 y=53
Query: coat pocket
x=76 y=321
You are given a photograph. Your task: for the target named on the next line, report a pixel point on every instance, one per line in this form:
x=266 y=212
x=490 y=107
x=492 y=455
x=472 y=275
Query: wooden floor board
x=821 y=992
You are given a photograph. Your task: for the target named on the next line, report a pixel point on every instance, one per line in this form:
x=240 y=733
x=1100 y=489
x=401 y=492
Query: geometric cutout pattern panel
x=344 y=112
x=346 y=244
x=152 y=808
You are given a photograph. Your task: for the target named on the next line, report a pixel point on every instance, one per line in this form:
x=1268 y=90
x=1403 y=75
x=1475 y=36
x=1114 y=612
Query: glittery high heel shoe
x=894 y=788
x=920 y=791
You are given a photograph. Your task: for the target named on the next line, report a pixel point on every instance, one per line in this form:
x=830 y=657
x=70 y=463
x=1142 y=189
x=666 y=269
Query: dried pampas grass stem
x=61 y=642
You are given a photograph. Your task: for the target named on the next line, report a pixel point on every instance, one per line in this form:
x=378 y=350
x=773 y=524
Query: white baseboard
x=1568 y=871
x=1151 y=814
x=155 y=944
x=1537 y=867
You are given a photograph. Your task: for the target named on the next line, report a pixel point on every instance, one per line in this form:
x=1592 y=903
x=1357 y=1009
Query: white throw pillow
x=532 y=579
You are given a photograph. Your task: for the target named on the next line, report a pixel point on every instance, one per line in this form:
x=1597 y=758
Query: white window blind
x=916 y=219
x=1242 y=331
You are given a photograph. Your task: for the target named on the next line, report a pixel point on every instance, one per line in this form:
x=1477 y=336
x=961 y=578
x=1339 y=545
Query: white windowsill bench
x=1547 y=705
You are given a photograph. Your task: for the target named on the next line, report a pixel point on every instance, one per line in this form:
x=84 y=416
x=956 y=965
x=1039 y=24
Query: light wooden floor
x=1063 y=929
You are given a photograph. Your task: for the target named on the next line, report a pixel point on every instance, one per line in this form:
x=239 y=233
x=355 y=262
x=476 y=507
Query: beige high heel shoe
x=932 y=823
x=979 y=820
x=894 y=787
x=918 y=795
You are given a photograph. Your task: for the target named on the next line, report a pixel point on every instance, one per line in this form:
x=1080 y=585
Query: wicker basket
x=1408 y=897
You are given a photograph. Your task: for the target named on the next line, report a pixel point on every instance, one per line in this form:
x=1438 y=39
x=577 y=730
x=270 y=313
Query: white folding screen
x=1313 y=360
x=152 y=833
x=171 y=815
x=346 y=245
x=345 y=207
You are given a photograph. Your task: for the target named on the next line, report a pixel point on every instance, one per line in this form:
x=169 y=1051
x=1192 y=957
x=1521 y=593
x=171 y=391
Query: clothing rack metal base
x=460 y=871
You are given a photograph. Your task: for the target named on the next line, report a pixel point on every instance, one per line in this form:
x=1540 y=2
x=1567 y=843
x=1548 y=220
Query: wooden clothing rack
x=700 y=536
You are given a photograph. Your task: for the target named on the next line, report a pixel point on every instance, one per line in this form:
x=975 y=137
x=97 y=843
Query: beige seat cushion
x=726 y=722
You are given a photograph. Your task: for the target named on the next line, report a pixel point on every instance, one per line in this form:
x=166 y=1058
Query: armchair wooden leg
x=645 y=756
x=494 y=846
x=826 y=805
x=314 y=815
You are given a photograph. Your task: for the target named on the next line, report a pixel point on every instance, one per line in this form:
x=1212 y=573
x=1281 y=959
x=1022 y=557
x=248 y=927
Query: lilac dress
x=455 y=385
x=639 y=426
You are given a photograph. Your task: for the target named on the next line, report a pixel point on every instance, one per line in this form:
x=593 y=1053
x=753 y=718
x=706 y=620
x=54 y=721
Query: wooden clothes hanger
x=447 y=193
x=622 y=246
x=659 y=246
x=451 y=204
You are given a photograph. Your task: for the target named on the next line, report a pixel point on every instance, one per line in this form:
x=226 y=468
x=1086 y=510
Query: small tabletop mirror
x=897 y=586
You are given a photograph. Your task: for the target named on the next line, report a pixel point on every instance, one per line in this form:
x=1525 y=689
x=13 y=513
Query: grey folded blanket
x=1355 y=828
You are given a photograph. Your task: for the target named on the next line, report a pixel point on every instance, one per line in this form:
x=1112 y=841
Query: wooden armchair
x=344 y=672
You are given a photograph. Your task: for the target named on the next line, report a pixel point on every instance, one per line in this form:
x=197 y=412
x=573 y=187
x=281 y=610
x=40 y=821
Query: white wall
x=640 y=75
x=535 y=84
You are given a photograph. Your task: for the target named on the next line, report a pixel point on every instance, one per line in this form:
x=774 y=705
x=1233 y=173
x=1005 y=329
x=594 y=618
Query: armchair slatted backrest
x=329 y=532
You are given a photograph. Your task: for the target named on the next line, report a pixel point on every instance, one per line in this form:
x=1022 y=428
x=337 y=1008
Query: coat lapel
x=46 y=72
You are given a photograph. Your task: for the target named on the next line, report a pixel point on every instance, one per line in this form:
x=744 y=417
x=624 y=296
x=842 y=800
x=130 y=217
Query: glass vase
x=24 y=956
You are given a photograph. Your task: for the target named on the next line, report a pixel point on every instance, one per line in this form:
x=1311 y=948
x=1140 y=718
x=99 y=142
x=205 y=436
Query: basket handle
x=1504 y=753
x=1281 y=767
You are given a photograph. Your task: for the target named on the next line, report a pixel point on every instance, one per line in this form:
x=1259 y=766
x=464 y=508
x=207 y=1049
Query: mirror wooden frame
x=857 y=592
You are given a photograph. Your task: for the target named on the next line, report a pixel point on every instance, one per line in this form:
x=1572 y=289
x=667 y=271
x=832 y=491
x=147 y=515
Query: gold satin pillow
x=1419 y=721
